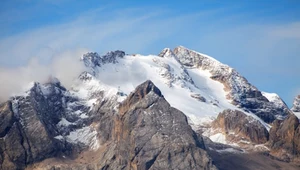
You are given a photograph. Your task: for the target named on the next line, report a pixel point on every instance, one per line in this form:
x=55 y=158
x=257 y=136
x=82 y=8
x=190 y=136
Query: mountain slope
x=192 y=82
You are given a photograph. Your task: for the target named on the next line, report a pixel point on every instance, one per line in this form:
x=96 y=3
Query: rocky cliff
x=240 y=128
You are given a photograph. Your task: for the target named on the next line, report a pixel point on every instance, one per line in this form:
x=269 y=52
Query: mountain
x=129 y=111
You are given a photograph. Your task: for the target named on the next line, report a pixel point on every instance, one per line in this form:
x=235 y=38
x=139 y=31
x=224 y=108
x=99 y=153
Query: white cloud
x=65 y=66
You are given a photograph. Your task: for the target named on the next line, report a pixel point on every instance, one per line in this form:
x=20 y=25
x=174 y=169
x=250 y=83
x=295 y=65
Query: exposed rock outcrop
x=285 y=138
x=239 y=127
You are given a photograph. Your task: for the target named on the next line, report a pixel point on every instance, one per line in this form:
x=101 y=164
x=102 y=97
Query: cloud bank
x=65 y=66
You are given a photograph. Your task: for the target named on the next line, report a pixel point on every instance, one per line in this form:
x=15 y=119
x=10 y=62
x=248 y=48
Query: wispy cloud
x=66 y=66
x=55 y=50
x=124 y=31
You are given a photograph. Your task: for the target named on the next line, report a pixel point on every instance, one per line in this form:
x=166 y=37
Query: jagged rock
x=296 y=104
x=150 y=134
x=285 y=138
x=238 y=126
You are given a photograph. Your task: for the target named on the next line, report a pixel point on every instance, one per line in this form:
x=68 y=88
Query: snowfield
x=188 y=89
x=167 y=75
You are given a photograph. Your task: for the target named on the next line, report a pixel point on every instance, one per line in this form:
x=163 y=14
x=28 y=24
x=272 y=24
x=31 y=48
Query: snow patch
x=231 y=150
x=218 y=138
x=86 y=135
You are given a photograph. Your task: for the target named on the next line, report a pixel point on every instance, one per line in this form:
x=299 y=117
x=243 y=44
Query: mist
x=66 y=66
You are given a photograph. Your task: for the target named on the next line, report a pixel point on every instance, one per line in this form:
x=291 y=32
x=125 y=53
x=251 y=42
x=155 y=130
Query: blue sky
x=261 y=39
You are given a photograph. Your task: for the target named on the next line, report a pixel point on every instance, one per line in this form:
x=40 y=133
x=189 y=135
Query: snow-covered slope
x=188 y=88
x=181 y=87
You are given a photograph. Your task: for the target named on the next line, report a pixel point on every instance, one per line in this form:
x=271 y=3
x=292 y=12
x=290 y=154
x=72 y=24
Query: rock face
x=25 y=137
x=240 y=127
x=151 y=134
x=285 y=138
x=241 y=92
x=144 y=133
x=296 y=104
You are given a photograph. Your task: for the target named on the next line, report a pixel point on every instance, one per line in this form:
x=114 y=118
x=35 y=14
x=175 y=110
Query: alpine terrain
x=179 y=109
